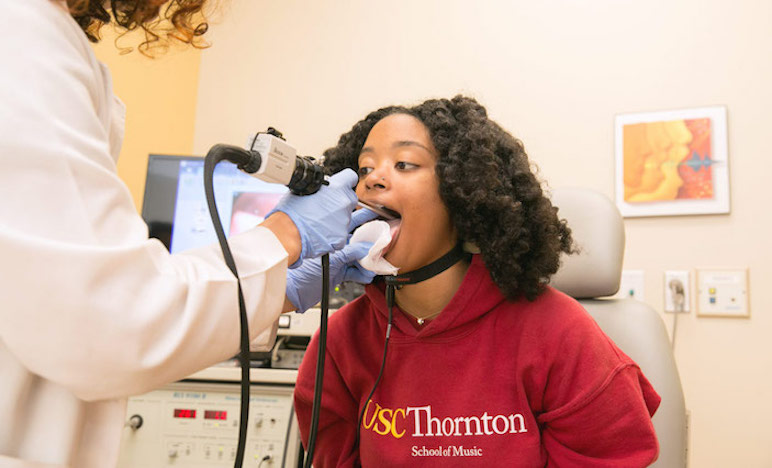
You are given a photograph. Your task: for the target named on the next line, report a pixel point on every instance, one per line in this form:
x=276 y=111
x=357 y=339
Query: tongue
x=394 y=225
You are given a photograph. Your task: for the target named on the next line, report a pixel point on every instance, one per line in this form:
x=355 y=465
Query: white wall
x=554 y=73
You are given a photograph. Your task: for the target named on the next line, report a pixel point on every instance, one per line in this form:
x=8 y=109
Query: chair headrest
x=599 y=234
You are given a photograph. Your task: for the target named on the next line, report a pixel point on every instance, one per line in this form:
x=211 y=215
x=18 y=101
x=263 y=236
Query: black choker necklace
x=455 y=255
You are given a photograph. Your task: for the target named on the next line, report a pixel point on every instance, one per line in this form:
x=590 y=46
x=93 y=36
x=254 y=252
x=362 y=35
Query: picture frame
x=672 y=163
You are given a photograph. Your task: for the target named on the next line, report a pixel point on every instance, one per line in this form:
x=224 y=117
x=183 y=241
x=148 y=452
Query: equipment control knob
x=173 y=453
x=134 y=422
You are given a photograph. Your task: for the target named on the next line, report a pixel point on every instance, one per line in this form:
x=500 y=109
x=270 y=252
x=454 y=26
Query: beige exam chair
x=594 y=274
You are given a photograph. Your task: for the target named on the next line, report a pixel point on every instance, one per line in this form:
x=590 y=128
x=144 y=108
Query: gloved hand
x=323 y=219
x=304 y=284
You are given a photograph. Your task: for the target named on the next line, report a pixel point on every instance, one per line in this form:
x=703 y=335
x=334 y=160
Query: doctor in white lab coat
x=92 y=310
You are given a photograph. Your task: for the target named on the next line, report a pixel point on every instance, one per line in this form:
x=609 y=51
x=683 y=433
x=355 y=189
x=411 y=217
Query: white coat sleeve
x=88 y=301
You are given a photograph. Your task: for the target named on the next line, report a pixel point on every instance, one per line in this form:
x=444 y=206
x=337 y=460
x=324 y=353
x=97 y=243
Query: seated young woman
x=485 y=364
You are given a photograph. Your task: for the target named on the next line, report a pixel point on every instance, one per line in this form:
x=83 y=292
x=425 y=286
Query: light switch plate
x=723 y=293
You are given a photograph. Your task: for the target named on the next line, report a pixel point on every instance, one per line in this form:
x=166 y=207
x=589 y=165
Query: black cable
x=301 y=455
x=319 y=380
x=287 y=436
x=212 y=158
x=390 y=306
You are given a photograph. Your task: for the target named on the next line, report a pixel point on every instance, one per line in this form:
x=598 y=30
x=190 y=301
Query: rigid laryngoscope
x=379 y=210
x=270 y=159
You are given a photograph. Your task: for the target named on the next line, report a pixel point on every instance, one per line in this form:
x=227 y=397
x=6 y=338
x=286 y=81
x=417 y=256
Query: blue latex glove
x=323 y=219
x=360 y=217
x=304 y=284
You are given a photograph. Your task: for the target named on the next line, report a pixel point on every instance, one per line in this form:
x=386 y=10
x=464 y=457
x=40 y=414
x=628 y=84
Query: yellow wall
x=554 y=73
x=160 y=97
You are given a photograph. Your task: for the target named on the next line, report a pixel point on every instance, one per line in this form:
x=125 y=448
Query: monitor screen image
x=175 y=208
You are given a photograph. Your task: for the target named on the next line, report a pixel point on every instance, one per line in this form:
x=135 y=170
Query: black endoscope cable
x=210 y=162
x=319 y=380
x=390 y=305
x=240 y=158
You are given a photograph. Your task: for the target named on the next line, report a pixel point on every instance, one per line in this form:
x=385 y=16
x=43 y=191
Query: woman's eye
x=402 y=165
x=363 y=171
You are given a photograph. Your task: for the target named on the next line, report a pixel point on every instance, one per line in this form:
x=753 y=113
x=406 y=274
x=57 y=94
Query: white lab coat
x=91 y=310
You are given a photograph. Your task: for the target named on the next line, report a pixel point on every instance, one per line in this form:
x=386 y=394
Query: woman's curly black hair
x=485 y=179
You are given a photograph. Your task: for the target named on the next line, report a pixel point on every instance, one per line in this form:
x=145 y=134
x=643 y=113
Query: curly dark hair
x=494 y=198
x=185 y=16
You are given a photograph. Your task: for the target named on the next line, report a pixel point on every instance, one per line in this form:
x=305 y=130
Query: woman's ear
x=471 y=248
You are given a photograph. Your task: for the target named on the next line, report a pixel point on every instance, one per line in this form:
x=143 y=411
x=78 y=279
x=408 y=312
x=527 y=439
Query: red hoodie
x=487 y=383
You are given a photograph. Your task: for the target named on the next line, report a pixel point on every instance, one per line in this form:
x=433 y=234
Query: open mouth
x=392 y=217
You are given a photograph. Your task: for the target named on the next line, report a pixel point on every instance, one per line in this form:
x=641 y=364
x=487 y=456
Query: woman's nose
x=377 y=179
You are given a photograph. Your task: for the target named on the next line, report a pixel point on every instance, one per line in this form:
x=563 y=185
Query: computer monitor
x=175 y=207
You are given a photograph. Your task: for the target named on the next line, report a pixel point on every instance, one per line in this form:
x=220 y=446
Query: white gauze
x=379 y=233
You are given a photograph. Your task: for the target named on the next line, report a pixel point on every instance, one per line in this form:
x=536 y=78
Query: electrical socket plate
x=684 y=277
x=631 y=285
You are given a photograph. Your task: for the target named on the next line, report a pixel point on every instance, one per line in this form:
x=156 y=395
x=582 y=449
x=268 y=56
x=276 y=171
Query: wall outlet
x=631 y=285
x=672 y=279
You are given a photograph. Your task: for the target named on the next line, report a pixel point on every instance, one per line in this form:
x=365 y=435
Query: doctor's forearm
x=285 y=230
x=288 y=306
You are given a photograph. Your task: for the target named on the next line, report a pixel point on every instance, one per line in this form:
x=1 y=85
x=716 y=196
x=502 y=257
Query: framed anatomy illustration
x=672 y=163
